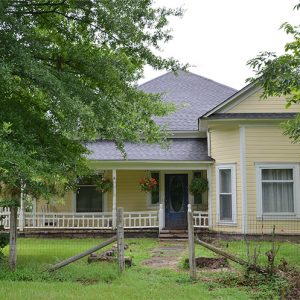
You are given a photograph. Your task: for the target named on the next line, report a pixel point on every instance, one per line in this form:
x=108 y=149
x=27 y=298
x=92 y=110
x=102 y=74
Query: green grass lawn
x=81 y=280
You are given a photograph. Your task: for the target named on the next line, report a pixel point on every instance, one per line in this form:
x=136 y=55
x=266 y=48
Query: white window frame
x=296 y=181
x=231 y=167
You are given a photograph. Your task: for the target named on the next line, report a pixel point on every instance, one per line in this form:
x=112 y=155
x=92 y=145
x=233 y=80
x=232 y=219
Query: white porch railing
x=101 y=220
x=68 y=220
x=141 y=219
x=200 y=219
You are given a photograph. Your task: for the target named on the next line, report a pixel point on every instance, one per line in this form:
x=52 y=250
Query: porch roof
x=190 y=149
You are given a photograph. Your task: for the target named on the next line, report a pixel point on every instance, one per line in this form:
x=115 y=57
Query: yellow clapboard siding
x=267 y=144
x=129 y=195
x=225 y=149
x=254 y=104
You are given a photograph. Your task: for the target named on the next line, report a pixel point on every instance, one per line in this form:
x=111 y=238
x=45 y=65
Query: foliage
x=68 y=73
x=4 y=237
x=148 y=184
x=279 y=75
x=104 y=185
x=198 y=186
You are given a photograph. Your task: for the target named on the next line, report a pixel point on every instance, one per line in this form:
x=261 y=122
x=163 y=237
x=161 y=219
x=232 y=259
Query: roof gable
x=194 y=94
x=248 y=101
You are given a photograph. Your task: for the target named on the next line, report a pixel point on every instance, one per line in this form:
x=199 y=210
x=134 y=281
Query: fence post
x=192 y=262
x=13 y=238
x=120 y=238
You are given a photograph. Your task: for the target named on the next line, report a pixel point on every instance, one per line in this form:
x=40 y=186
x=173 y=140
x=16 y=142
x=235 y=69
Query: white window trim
x=296 y=181
x=232 y=167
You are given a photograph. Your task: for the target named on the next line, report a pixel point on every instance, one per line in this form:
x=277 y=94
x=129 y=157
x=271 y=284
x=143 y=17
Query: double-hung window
x=277 y=189
x=226 y=193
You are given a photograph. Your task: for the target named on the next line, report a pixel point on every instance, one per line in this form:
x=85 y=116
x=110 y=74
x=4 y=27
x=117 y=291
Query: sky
x=218 y=37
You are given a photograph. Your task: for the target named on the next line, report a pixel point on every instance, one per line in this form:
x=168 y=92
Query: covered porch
x=88 y=208
x=173 y=169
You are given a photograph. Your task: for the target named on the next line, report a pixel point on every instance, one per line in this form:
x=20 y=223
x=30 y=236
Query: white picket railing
x=141 y=219
x=101 y=220
x=70 y=220
x=200 y=219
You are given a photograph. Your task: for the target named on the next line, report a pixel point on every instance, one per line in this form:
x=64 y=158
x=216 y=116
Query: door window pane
x=176 y=193
x=88 y=199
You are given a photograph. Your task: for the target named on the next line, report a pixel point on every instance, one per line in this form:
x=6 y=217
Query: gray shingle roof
x=200 y=94
x=265 y=116
x=190 y=149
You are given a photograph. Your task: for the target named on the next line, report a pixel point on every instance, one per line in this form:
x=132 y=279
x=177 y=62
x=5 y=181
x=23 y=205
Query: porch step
x=173 y=234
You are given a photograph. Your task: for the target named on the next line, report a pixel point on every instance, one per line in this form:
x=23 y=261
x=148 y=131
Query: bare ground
x=167 y=255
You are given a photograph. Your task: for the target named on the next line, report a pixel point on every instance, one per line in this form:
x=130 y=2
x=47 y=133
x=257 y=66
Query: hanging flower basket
x=104 y=185
x=148 y=184
x=198 y=186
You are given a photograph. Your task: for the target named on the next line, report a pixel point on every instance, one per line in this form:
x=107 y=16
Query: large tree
x=68 y=73
x=279 y=75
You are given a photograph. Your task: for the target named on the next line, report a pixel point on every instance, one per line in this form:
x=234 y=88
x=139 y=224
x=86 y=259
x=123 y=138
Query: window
x=198 y=197
x=88 y=198
x=277 y=189
x=155 y=194
x=226 y=193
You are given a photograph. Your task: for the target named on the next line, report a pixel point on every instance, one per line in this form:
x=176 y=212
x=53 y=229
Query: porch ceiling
x=180 y=150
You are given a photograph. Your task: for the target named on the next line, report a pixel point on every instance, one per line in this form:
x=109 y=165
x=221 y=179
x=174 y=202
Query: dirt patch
x=210 y=263
x=167 y=255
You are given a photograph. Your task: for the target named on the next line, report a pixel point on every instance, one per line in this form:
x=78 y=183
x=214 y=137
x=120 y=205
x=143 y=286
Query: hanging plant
x=104 y=185
x=148 y=184
x=198 y=186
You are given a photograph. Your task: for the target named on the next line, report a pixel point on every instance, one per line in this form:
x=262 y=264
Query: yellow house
x=231 y=138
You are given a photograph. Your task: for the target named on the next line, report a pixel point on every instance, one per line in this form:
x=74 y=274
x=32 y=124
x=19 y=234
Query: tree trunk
x=13 y=238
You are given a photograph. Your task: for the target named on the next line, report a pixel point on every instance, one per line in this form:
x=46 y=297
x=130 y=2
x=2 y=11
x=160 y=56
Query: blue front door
x=176 y=189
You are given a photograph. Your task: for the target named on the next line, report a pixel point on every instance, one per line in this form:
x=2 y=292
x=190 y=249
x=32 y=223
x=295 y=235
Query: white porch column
x=21 y=212
x=34 y=212
x=161 y=217
x=114 y=204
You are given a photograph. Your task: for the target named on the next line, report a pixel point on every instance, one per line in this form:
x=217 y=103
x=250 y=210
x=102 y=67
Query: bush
x=4 y=240
x=198 y=186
